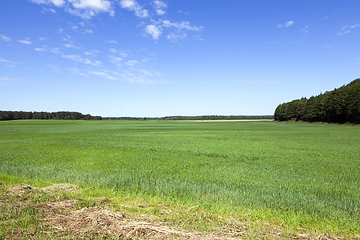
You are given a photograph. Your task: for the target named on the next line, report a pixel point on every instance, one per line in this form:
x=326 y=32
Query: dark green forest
x=204 y=117
x=342 y=105
x=17 y=115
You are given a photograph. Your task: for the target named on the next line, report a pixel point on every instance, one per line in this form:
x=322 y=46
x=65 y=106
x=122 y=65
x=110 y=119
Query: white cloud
x=25 y=41
x=76 y=71
x=57 y=3
x=132 y=5
x=89 y=62
x=198 y=38
x=131 y=63
x=287 y=24
x=54 y=68
x=159 y=7
x=76 y=58
x=345 y=29
x=8 y=79
x=48 y=10
x=153 y=30
x=60 y=30
x=146 y=72
x=40 y=49
x=95 y=5
x=111 y=41
x=55 y=50
x=182 y=25
x=82 y=8
x=103 y=74
x=305 y=29
x=123 y=54
x=5 y=61
x=89 y=31
x=5 y=38
x=70 y=46
x=115 y=59
x=343 y=33
x=43 y=39
x=175 y=37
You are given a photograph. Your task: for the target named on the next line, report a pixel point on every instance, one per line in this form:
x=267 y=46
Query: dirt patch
x=18 y=189
x=104 y=221
x=64 y=187
x=96 y=218
x=103 y=200
x=22 y=188
x=47 y=206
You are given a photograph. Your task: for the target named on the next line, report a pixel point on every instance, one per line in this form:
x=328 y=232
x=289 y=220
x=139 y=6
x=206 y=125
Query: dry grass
x=67 y=216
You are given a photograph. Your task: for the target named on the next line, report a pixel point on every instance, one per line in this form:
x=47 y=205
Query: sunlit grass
x=294 y=174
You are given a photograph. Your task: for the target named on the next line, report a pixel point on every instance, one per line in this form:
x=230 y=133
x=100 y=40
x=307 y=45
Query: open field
x=235 y=120
x=291 y=175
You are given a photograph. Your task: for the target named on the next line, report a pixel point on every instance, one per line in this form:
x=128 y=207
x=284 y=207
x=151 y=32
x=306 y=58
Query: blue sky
x=168 y=57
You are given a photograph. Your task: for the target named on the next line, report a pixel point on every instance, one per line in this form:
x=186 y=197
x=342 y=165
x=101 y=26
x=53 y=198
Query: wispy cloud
x=5 y=61
x=115 y=60
x=131 y=63
x=89 y=62
x=305 y=29
x=175 y=37
x=347 y=29
x=48 y=10
x=5 y=81
x=76 y=58
x=159 y=7
x=181 y=25
x=25 y=41
x=132 y=5
x=89 y=8
x=82 y=8
x=57 y=3
x=54 y=68
x=287 y=24
x=153 y=30
x=40 y=49
x=102 y=74
x=111 y=41
x=80 y=59
x=70 y=46
x=5 y=38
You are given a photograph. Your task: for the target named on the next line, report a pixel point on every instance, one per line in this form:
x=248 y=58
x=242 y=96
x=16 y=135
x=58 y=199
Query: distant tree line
x=17 y=115
x=341 y=105
x=205 y=117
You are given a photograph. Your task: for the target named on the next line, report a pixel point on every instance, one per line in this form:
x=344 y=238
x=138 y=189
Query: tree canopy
x=338 y=106
x=17 y=115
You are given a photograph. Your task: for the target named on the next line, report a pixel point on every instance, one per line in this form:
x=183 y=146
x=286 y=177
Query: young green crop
x=296 y=174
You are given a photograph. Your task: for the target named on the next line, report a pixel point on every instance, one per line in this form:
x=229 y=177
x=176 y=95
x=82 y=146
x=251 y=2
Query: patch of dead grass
x=67 y=219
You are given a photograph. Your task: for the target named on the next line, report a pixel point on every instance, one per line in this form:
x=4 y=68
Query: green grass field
x=291 y=174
